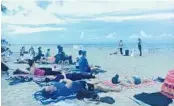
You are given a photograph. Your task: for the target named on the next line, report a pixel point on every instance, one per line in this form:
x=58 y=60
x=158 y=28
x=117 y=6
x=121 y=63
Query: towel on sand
x=39 y=97
x=19 y=79
x=154 y=99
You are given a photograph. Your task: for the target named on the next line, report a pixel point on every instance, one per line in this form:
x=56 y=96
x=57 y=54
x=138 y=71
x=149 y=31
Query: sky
x=87 y=21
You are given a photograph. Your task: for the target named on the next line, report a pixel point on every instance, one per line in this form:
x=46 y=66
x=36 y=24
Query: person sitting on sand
x=83 y=64
x=77 y=59
x=61 y=56
x=68 y=87
x=39 y=55
x=47 y=59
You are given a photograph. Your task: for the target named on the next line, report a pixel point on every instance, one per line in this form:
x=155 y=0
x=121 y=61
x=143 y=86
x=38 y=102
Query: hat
x=168 y=85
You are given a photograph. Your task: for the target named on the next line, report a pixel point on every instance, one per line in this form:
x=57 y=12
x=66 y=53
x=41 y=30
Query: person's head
x=23 y=47
x=58 y=46
x=121 y=41
x=115 y=79
x=83 y=53
x=39 y=48
x=60 y=49
x=139 y=39
x=48 y=91
x=31 y=62
x=80 y=52
x=48 y=50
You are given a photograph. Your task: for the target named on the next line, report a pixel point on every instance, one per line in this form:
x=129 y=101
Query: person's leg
x=50 y=72
x=139 y=47
x=121 y=51
x=104 y=88
x=79 y=76
x=140 y=52
x=59 y=77
x=20 y=71
x=45 y=68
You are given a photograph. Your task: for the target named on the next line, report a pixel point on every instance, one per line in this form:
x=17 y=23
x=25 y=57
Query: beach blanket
x=153 y=99
x=110 y=84
x=19 y=79
x=39 y=97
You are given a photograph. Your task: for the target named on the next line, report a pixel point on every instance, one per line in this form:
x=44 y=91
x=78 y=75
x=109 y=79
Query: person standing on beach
x=139 y=46
x=121 y=47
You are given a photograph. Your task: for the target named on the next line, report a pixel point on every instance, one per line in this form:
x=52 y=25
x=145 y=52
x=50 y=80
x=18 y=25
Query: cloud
x=27 y=13
x=159 y=16
x=15 y=29
x=144 y=35
x=110 y=35
x=88 y=8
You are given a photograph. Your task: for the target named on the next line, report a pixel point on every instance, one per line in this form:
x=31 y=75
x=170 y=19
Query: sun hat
x=168 y=85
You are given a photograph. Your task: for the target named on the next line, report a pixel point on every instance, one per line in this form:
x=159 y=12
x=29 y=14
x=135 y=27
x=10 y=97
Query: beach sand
x=149 y=65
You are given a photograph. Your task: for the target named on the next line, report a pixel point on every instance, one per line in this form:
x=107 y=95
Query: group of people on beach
x=121 y=46
x=67 y=82
x=40 y=57
x=72 y=82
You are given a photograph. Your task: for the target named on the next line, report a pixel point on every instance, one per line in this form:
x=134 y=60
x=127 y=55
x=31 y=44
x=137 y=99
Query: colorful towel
x=39 y=97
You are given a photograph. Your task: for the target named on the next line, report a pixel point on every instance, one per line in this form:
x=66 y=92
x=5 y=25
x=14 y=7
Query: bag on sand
x=126 y=53
x=107 y=99
x=168 y=85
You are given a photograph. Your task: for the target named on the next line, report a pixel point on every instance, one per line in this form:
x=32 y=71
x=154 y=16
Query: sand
x=149 y=65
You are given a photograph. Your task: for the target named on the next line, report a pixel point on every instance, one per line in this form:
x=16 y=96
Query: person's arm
x=68 y=82
x=32 y=70
x=24 y=71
